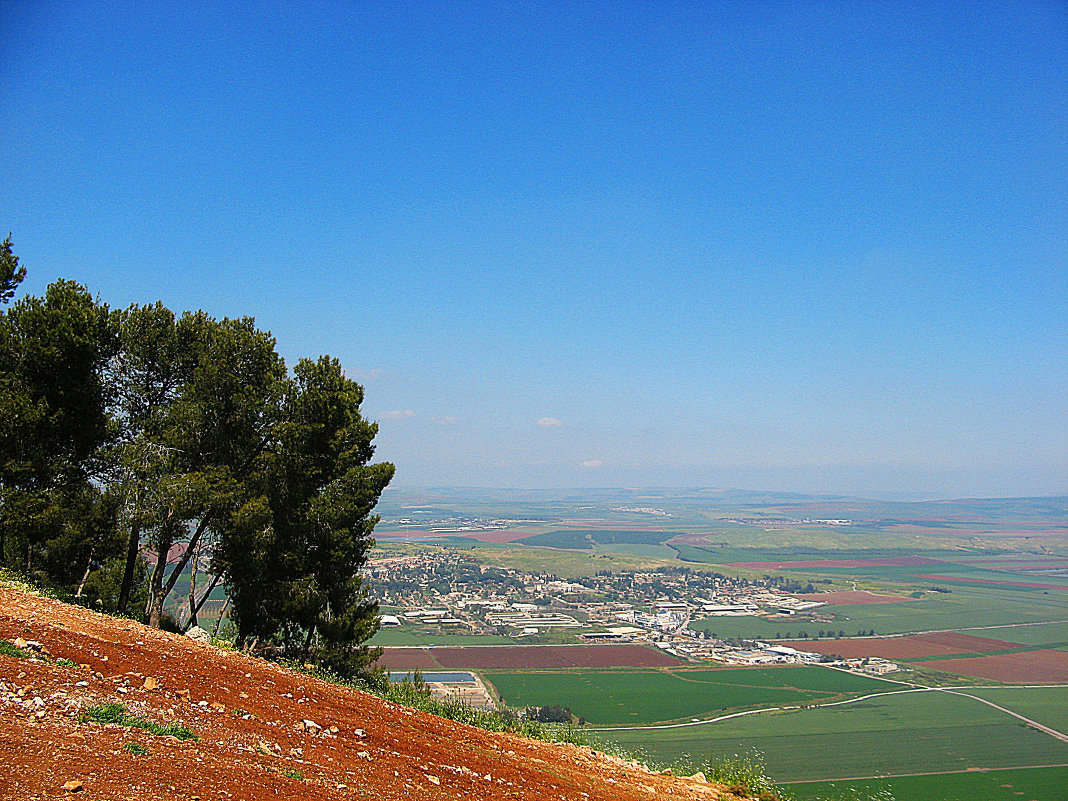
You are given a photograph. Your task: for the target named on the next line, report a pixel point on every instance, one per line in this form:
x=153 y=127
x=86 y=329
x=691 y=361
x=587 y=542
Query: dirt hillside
x=264 y=732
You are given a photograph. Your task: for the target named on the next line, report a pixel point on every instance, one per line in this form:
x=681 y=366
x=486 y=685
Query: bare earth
x=253 y=742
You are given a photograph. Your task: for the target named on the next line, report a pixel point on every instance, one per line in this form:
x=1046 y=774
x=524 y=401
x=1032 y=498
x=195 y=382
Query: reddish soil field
x=1011 y=563
x=1031 y=667
x=408 y=659
x=991 y=581
x=519 y=657
x=900 y=561
x=854 y=597
x=253 y=741
x=1015 y=566
x=941 y=644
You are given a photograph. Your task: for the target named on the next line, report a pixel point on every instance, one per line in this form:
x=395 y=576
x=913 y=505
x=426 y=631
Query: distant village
x=444 y=590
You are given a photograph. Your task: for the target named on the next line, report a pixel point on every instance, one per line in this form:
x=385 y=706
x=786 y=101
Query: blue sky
x=797 y=246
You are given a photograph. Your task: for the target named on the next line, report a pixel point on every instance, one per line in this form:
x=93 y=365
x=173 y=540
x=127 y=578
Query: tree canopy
x=132 y=440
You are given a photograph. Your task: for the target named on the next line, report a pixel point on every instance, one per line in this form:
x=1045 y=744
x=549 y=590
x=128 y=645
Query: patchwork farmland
x=530 y=656
x=648 y=697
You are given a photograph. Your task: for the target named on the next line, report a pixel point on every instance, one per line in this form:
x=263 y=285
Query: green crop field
x=886 y=735
x=641 y=697
x=1032 y=784
x=584 y=539
x=1047 y=705
x=1042 y=634
x=955 y=610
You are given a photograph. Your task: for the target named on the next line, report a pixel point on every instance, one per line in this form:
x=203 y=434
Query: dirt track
x=253 y=743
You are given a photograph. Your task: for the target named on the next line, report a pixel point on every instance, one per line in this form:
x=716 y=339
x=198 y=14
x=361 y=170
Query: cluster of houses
x=448 y=591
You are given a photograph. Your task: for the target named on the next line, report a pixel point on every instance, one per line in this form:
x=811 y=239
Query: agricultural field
x=1046 y=705
x=919 y=646
x=889 y=734
x=521 y=657
x=1029 y=667
x=960 y=609
x=977 y=591
x=392 y=637
x=1005 y=784
x=647 y=697
x=1049 y=635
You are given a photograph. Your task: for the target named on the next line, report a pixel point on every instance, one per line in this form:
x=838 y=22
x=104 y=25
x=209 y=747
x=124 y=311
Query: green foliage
x=53 y=425
x=7 y=649
x=407 y=693
x=67 y=663
x=117 y=715
x=145 y=431
x=293 y=773
x=292 y=550
x=136 y=749
x=744 y=775
x=11 y=274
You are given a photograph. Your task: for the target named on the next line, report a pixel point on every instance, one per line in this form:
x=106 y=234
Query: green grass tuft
x=744 y=776
x=7 y=649
x=119 y=716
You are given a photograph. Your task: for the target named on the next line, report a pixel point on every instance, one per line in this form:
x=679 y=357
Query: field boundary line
x=1045 y=729
x=1033 y=723
x=928 y=773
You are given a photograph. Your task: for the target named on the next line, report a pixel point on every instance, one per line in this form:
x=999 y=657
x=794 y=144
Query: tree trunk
x=85 y=576
x=307 y=644
x=183 y=560
x=204 y=597
x=193 y=605
x=222 y=614
x=132 y=549
x=154 y=606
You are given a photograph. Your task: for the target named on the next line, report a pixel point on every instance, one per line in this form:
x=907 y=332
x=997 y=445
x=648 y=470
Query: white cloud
x=365 y=375
x=446 y=421
x=549 y=422
x=593 y=463
x=398 y=414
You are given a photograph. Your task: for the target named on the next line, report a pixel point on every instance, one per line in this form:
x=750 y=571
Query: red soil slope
x=366 y=748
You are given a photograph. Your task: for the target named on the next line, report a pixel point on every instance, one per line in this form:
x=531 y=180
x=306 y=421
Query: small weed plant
x=7 y=649
x=136 y=749
x=413 y=692
x=744 y=775
x=293 y=773
x=118 y=715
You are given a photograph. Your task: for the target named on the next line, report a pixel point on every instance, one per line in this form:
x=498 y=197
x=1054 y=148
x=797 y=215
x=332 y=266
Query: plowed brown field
x=526 y=656
x=1029 y=667
x=254 y=743
x=940 y=644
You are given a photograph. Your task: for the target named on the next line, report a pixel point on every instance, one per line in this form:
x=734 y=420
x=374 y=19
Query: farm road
x=1059 y=735
x=925 y=773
